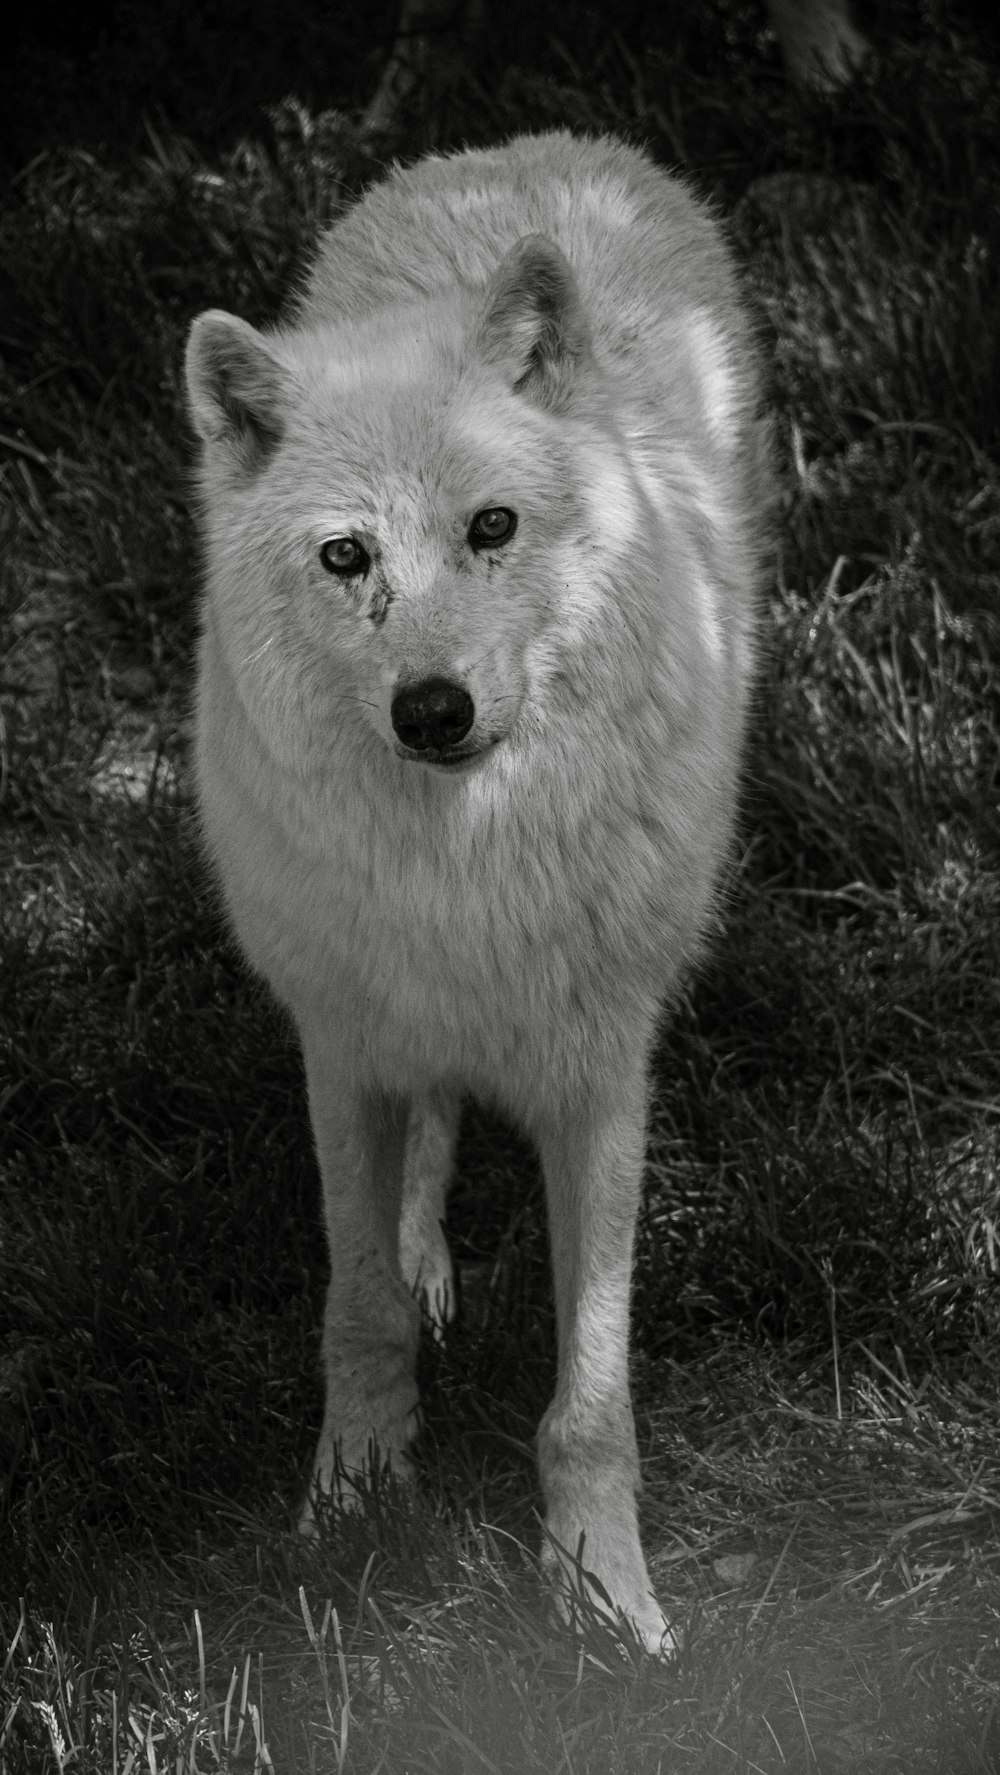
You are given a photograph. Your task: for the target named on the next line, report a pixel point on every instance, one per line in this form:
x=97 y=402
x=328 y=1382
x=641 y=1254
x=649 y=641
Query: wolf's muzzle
x=434 y=713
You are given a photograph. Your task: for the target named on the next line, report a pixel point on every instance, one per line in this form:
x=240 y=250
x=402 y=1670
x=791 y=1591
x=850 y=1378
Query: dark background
x=91 y=76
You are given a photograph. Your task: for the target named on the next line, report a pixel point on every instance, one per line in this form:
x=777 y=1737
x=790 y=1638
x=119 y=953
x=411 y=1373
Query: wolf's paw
x=651 y=1628
x=427 y=1269
x=337 y=1484
x=582 y=1590
x=606 y=1574
x=424 y=1258
x=371 y=1419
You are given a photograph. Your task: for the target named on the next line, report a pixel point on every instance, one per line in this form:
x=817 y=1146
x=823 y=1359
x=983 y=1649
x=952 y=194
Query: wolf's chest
x=469 y=961
x=437 y=973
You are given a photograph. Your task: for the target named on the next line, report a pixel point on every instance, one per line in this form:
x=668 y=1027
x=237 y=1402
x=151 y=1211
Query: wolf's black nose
x=434 y=712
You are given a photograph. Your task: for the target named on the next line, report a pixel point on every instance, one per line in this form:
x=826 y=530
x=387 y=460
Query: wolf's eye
x=494 y=525
x=343 y=555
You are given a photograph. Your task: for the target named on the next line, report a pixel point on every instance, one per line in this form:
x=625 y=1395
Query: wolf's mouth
x=449 y=760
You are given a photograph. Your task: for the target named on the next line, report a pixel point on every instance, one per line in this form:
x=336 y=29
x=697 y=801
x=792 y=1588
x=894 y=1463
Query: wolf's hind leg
x=424 y=1258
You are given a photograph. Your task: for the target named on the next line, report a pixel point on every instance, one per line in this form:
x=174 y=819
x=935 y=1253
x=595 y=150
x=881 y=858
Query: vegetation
x=817 y=1313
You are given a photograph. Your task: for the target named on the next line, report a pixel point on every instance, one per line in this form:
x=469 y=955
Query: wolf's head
x=407 y=516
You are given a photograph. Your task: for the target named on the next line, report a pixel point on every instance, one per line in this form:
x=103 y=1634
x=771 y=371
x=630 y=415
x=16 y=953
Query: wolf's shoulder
x=450 y=218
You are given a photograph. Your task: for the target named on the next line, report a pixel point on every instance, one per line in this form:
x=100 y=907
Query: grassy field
x=817 y=1303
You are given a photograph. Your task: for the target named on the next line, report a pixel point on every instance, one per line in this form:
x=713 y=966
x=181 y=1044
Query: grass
x=817 y=1311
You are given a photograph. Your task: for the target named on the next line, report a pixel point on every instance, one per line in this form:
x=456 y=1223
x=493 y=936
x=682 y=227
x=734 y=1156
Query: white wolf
x=483 y=522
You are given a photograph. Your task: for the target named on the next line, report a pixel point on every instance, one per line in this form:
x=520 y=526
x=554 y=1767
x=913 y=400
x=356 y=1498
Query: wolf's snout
x=435 y=712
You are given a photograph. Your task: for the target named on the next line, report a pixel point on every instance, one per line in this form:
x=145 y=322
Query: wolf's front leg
x=371 y=1322
x=593 y=1163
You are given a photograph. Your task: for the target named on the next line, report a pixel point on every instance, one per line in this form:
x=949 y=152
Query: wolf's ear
x=533 y=326
x=237 y=390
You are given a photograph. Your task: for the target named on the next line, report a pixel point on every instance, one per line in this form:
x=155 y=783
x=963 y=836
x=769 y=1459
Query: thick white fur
x=512 y=927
